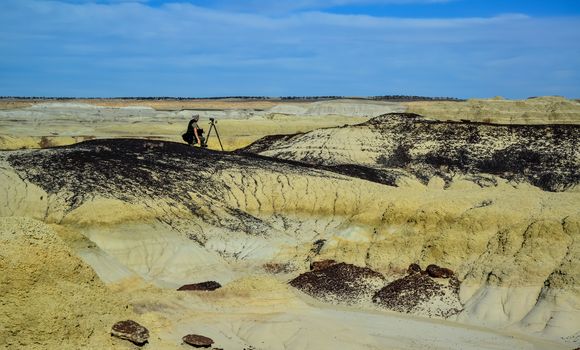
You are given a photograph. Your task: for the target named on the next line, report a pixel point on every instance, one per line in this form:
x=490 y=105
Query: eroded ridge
x=398 y=144
x=133 y=170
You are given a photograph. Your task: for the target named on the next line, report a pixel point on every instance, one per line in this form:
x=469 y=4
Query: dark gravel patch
x=546 y=156
x=343 y=283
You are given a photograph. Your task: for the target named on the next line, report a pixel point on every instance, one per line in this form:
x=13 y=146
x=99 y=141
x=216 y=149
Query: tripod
x=212 y=125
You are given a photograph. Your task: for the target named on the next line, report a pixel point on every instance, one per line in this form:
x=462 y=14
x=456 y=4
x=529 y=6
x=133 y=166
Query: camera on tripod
x=212 y=125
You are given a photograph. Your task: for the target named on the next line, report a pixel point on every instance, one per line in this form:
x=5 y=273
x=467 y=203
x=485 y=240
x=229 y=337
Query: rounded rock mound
x=340 y=283
x=419 y=294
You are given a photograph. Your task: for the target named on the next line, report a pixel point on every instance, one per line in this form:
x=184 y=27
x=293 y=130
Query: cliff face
x=538 y=110
x=392 y=145
x=173 y=214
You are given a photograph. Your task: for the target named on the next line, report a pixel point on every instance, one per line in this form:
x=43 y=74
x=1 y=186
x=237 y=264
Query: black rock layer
x=547 y=156
x=134 y=170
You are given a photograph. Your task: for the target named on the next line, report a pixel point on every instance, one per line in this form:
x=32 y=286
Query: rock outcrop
x=338 y=107
x=538 y=110
x=394 y=145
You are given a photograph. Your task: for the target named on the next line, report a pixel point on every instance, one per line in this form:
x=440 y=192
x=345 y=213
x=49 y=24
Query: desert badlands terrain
x=340 y=224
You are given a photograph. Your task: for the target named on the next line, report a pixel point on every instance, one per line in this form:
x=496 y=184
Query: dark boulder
x=197 y=341
x=207 y=286
x=321 y=265
x=132 y=331
x=413 y=269
x=438 y=272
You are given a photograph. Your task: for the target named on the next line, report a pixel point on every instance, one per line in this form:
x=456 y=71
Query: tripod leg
x=209 y=133
x=218 y=136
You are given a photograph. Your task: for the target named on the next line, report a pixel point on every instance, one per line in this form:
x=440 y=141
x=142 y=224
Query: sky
x=202 y=48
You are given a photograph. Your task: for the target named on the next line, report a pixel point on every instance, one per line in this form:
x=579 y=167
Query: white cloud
x=285 y=6
x=100 y=1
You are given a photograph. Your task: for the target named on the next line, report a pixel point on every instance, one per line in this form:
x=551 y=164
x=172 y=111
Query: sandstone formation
x=164 y=214
x=357 y=108
x=132 y=331
x=538 y=110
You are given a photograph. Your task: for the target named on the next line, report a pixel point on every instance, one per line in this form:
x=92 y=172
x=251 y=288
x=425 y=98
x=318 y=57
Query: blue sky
x=459 y=48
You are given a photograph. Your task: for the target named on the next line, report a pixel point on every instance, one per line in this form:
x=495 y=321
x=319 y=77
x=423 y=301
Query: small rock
x=208 y=285
x=198 y=341
x=321 y=265
x=413 y=269
x=438 y=272
x=130 y=330
x=278 y=267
